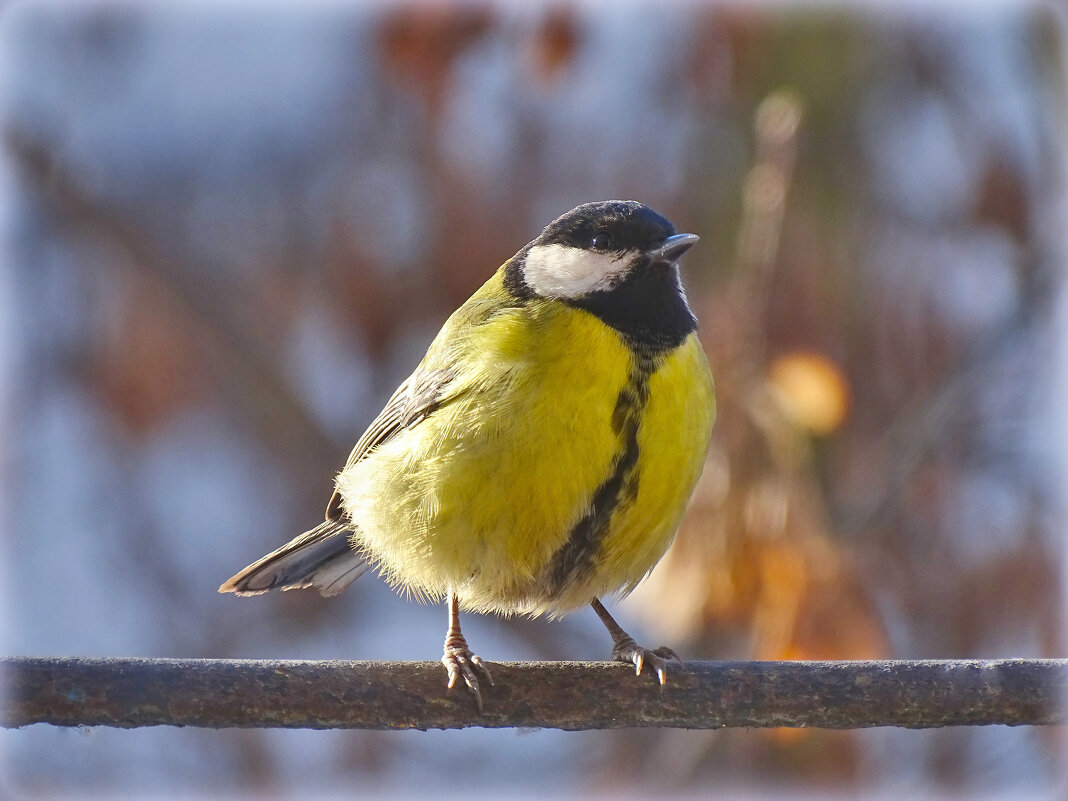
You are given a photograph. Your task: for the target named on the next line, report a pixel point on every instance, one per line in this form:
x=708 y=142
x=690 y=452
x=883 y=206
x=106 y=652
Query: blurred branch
x=245 y=370
x=767 y=186
x=218 y=693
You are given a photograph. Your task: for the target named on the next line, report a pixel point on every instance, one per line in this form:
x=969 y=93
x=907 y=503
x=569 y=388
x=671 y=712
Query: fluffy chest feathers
x=552 y=467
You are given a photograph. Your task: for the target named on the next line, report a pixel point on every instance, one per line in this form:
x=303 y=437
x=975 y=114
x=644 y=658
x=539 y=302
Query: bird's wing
x=324 y=558
x=412 y=403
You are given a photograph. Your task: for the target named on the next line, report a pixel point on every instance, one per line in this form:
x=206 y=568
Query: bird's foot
x=626 y=650
x=460 y=662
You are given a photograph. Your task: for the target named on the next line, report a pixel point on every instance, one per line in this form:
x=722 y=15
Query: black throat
x=648 y=308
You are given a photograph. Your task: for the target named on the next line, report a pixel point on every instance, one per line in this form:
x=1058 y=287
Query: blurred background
x=230 y=231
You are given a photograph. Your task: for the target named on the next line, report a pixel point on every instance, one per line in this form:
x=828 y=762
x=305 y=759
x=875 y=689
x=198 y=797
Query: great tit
x=542 y=453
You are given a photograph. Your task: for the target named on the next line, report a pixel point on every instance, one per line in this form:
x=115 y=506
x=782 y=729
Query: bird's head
x=617 y=259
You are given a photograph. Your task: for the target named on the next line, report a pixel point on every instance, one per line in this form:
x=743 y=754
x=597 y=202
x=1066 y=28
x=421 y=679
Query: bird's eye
x=602 y=240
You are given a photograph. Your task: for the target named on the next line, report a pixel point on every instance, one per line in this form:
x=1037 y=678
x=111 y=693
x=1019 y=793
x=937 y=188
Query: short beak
x=673 y=247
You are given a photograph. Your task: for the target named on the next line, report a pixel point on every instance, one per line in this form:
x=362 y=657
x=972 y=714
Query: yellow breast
x=483 y=496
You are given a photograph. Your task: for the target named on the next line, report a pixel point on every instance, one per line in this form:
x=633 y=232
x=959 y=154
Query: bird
x=541 y=455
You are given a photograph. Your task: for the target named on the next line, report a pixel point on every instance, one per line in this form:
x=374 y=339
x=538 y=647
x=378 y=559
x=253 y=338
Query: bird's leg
x=458 y=660
x=624 y=649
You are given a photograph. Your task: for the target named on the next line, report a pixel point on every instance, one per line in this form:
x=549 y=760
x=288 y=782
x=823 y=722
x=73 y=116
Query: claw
x=667 y=653
x=460 y=663
x=624 y=649
x=627 y=650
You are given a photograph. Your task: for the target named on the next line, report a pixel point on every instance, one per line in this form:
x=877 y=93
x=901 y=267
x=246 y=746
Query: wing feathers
x=412 y=403
x=323 y=558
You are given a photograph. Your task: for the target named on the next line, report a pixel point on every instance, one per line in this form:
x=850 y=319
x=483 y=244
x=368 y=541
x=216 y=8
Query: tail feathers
x=321 y=558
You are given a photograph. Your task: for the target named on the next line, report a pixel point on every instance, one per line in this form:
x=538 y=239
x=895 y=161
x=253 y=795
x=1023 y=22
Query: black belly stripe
x=574 y=560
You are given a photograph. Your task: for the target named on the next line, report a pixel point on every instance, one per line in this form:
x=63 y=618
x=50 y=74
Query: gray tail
x=321 y=558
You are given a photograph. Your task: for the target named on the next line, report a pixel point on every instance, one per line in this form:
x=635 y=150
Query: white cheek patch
x=557 y=271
